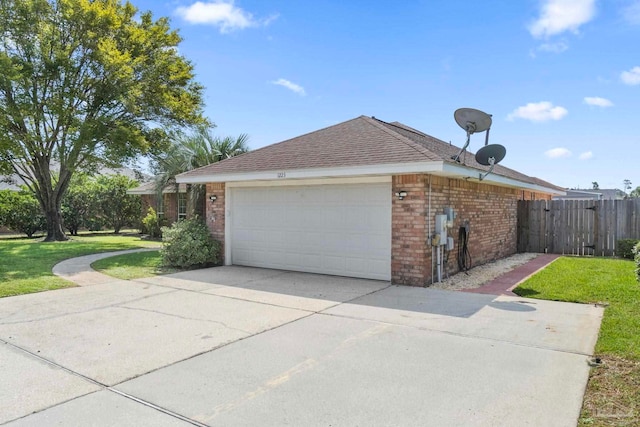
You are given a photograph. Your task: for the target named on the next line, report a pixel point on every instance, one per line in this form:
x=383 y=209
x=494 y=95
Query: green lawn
x=613 y=394
x=132 y=266
x=25 y=264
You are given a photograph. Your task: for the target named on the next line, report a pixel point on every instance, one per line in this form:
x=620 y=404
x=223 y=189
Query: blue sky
x=560 y=77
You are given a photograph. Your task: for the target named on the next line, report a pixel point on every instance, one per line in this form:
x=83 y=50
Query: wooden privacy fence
x=577 y=227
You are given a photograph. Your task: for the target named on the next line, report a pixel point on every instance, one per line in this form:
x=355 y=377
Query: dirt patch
x=613 y=394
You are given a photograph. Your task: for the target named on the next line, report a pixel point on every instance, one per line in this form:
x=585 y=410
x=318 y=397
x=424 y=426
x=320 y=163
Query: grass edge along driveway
x=613 y=393
x=133 y=266
x=26 y=264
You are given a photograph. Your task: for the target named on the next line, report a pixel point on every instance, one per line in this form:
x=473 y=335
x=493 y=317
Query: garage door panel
x=332 y=229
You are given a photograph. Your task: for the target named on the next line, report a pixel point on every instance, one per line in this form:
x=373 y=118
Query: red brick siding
x=491 y=211
x=409 y=231
x=215 y=211
x=170 y=207
x=148 y=200
x=532 y=195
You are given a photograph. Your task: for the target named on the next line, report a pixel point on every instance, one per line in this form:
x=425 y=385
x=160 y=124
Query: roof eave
x=343 y=171
x=464 y=172
x=435 y=167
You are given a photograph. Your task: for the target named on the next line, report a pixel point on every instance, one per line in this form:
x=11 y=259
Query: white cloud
x=553 y=47
x=222 y=14
x=586 y=155
x=631 y=77
x=596 y=101
x=631 y=13
x=558 y=16
x=291 y=86
x=557 y=153
x=538 y=112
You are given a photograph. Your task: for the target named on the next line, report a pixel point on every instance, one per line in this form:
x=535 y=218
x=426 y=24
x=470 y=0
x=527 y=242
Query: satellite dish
x=490 y=155
x=472 y=121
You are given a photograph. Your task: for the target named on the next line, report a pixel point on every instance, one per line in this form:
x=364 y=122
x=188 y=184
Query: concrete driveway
x=245 y=346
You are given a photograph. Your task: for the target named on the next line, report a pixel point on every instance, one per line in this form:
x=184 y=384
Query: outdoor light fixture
x=213 y=198
x=401 y=194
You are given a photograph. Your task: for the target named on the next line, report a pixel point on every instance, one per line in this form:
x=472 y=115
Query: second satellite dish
x=490 y=155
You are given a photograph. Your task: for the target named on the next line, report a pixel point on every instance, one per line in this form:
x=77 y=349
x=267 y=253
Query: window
x=182 y=206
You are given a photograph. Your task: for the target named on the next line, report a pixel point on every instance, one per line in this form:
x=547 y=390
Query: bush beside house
x=188 y=244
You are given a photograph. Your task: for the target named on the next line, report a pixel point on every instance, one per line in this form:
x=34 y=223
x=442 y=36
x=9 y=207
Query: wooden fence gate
x=577 y=227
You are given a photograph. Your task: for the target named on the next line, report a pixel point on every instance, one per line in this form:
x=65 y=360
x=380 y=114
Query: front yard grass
x=26 y=264
x=612 y=397
x=132 y=266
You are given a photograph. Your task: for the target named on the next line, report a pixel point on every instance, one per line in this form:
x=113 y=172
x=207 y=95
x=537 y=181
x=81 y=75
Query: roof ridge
x=417 y=147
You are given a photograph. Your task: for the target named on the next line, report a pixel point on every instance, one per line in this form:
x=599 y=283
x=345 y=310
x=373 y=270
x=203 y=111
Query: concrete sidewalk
x=249 y=346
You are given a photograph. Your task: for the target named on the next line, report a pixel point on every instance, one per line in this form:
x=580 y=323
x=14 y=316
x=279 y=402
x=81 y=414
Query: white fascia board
x=347 y=171
x=377 y=179
x=492 y=178
x=436 y=168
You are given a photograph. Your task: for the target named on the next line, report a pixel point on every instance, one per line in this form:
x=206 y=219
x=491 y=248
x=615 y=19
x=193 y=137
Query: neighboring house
x=612 y=194
x=605 y=194
x=360 y=199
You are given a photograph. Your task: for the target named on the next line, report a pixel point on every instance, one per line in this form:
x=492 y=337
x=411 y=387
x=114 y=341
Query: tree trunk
x=50 y=198
x=55 y=233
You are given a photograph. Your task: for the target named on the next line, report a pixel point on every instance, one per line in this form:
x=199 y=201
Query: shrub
x=151 y=224
x=188 y=244
x=118 y=209
x=20 y=211
x=636 y=252
x=624 y=248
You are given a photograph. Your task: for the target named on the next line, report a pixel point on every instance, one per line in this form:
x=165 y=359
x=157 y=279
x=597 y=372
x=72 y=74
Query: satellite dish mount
x=472 y=121
x=490 y=155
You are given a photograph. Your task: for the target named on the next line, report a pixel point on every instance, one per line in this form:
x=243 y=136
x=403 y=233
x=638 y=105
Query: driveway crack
x=186 y=318
x=57 y=316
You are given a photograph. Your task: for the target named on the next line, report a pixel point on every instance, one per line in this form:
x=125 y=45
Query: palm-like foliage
x=192 y=150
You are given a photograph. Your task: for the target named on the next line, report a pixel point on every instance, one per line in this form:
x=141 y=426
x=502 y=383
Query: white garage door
x=331 y=229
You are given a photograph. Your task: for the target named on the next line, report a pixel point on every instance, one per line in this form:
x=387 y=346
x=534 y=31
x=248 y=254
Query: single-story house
x=361 y=199
x=604 y=194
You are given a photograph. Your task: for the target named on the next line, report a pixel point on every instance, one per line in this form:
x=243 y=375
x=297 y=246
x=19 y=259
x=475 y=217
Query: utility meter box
x=441 y=228
x=449 y=243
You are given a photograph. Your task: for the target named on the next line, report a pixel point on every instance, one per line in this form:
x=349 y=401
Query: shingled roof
x=363 y=141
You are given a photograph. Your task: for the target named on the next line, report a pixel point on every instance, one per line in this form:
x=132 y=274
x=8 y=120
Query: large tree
x=84 y=83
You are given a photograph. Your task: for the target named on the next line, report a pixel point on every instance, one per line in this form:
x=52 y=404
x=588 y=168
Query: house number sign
x=282 y=174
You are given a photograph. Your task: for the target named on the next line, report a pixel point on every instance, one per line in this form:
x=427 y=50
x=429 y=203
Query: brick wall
x=409 y=231
x=215 y=211
x=533 y=195
x=491 y=212
x=148 y=201
x=170 y=207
